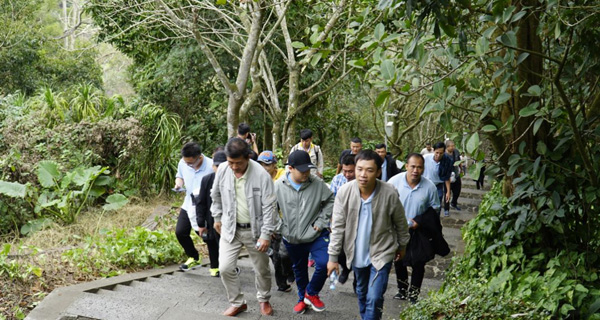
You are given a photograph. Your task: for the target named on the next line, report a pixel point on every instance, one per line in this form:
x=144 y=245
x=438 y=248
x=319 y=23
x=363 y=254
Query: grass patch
x=31 y=267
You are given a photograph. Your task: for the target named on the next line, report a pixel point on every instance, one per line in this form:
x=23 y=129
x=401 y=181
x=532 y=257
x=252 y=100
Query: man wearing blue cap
x=284 y=275
x=306 y=204
x=268 y=160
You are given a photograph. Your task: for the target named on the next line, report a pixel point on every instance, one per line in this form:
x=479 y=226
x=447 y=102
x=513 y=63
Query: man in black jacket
x=204 y=217
x=389 y=167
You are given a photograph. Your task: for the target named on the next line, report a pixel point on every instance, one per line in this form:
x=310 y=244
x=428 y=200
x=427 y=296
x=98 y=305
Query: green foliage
x=30 y=57
x=121 y=250
x=510 y=267
x=12 y=270
x=64 y=195
x=328 y=174
x=464 y=298
x=163 y=143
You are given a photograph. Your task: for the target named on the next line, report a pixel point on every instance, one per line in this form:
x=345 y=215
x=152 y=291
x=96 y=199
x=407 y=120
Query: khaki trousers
x=228 y=256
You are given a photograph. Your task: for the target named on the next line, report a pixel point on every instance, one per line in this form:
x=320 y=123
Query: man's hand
x=448 y=196
x=414 y=224
x=331 y=266
x=217 y=227
x=316 y=228
x=201 y=231
x=178 y=183
x=400 y=254
x=264 y=245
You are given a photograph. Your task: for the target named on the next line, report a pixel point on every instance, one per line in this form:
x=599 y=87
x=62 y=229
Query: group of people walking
x=372 y=216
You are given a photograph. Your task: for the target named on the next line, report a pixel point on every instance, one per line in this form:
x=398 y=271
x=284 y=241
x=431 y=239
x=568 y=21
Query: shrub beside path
x=171 y=294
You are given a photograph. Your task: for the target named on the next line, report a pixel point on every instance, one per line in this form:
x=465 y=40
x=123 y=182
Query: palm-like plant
x=165 y=141
x=52 y=105
x=86 y=104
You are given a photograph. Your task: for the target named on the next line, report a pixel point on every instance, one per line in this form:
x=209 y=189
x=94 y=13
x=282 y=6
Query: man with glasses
x=192 y=166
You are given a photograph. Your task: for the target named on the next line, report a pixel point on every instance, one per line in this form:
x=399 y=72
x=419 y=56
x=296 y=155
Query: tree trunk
x=529 y=73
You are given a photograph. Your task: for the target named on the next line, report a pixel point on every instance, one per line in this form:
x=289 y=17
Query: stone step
x=473 y=192
x=469 y=183
x=469 y=201
x=95 y=306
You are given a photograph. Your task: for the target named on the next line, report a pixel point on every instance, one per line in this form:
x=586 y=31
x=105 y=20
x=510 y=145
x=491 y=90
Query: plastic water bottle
x=269 y=250
x=204 y=235
x=333 y=280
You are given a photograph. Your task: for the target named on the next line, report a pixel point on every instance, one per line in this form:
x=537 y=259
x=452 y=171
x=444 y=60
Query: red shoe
x=300 y=307
x=314 y=302
x=311 y=263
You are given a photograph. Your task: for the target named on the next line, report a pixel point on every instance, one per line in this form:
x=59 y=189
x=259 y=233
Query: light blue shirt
x=415 y=201
x=432 y=169
x=191 y=179
x=383 y=171
x=294 y=184
x=363 y=235
x=338 y=181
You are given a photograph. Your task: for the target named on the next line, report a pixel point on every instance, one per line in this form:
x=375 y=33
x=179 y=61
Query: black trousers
x=418 y=272
x=455 y=188
x=342 y=261
x=182 y=231
x=282 y=262
x=213 y=251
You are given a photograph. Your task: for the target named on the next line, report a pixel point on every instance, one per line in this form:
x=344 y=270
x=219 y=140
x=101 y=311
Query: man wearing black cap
x=306 y=204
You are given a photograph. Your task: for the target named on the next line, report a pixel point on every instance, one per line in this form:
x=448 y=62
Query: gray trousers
x=228 y=256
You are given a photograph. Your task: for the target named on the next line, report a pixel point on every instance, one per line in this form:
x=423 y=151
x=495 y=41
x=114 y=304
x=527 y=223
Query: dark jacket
x=446 y=167
x=203 y=202
x=426 y=240
x=390 y=167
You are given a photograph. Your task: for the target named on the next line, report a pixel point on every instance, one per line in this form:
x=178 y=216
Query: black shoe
x=344 y=276
x=286 y=288
x=291 y=279
x=401 y=295
x=413 y=294
x=455 y=207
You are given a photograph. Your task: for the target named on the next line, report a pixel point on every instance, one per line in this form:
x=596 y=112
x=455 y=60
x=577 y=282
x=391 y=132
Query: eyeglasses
x=193 y=164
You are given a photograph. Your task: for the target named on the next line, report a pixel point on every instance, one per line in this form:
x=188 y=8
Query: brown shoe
x=266 y=309
x=234 y=311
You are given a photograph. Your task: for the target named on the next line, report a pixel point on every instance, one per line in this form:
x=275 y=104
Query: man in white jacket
x=192 y=167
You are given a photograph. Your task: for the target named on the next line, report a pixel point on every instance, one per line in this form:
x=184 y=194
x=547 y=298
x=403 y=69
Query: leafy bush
x=62 y=196
x=120 y=250
x=498 y=276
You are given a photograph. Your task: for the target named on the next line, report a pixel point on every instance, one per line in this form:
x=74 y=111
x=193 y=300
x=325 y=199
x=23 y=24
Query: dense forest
x=98 y=96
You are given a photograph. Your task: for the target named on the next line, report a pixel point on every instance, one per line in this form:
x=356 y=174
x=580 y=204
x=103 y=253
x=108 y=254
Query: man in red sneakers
x=306 y=204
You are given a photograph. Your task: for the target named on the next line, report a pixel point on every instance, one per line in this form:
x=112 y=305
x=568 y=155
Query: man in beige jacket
x=369 y=223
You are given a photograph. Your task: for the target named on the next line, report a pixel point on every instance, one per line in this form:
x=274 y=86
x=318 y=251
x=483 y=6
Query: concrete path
x=171 y=294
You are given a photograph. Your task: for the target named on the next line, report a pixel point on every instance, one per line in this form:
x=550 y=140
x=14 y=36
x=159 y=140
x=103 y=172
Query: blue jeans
x=441 y=194
x=299 y=256
x=370 y=288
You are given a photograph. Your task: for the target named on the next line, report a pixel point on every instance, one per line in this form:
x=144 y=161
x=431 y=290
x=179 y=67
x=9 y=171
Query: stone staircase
x=171 y=294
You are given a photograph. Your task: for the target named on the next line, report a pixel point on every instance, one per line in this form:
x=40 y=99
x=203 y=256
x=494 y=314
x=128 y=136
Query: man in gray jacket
x=368 y=222
x=306 y=203
x=244 y=210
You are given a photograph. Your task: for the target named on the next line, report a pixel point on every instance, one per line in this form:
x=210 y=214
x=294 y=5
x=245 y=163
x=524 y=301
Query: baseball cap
x=300 y=160
x=266 y=157
x=219 y=158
